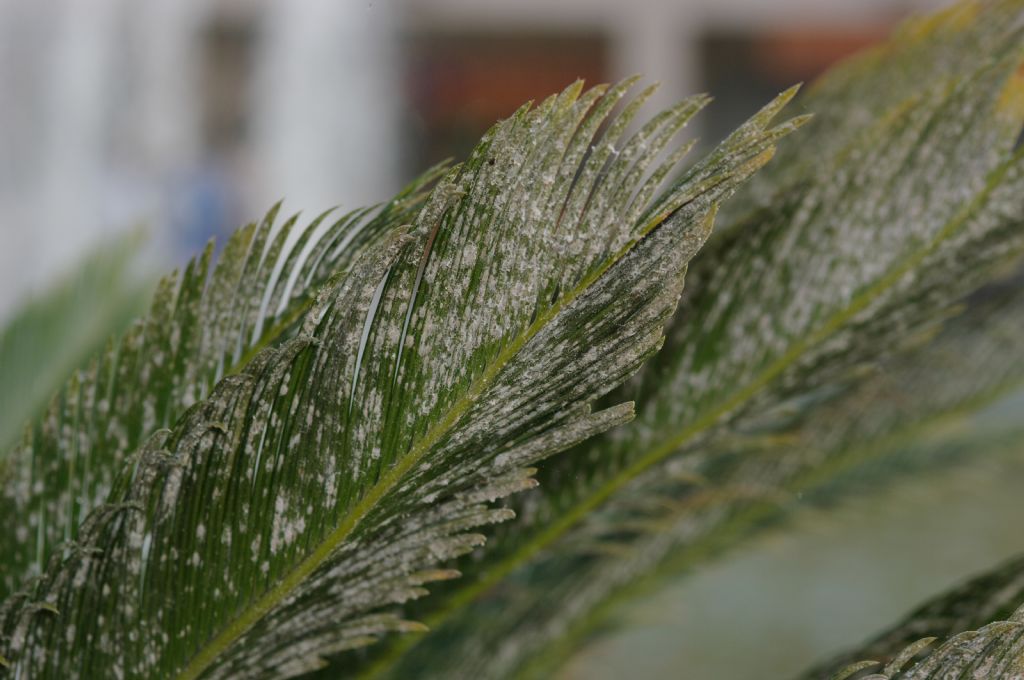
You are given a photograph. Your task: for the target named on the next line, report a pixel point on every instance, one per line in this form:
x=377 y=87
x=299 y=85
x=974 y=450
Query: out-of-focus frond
x=911 y=412
x=52 y=334
x=887 y=227
x=875 y=84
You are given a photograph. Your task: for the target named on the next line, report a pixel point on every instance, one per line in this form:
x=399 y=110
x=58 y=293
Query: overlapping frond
x=332 y=475
x=875 y=84
x=910 y=413
x=885 y=228
x=205 y=323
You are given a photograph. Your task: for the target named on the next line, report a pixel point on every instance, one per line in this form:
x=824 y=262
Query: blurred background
x=193 y=116
x=190 y=117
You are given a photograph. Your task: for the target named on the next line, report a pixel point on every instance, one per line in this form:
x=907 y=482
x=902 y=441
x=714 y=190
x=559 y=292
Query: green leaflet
x=269 y=526
x=993 y=596
x=901 y=220
x=52 y=334
x=201 y=325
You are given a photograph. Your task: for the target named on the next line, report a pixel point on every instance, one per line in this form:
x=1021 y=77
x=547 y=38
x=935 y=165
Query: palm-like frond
x=332 y=474
x=898 y=219
x=51 y=335
x=201 y=326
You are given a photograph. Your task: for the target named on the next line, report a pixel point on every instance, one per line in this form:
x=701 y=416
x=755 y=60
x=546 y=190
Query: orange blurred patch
x=802 y=54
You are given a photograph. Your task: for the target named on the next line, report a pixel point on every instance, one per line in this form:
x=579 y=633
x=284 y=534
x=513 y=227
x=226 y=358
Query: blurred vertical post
x=660 y=45
x=326 y=103
x=190 y=116
x=95 y=112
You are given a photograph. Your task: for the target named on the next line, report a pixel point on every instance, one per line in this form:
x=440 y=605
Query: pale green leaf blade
x=51 y=335
x=848 y=672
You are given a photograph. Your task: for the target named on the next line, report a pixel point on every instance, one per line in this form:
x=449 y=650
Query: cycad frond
x=329 y=477
x=898 y=219
x=201 y=326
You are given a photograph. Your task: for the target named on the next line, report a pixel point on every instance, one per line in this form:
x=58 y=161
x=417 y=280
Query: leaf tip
x=852 y=669
x=405 y=626
x=790 y=92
